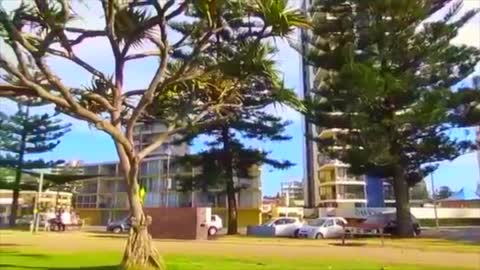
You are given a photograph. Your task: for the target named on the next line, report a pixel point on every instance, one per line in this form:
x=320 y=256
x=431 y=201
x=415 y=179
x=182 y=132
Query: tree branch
x=15 y=91
x=137 y=92
x=87 y=34
x=21 y=60
x=142 y=55
x=147 y=98
x=181 y=8
x=158 y=141
x=10 y=68
x=66 y=103
x=72 y=57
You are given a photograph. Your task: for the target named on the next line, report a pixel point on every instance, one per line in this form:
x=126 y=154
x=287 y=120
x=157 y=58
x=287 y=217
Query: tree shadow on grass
x=348 y=244
x=25 y=255
x=107 y=234
x=9 y=245
x=99 y=267
x=113 y=236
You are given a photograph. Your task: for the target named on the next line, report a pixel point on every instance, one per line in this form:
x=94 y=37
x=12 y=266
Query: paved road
x=467 y=233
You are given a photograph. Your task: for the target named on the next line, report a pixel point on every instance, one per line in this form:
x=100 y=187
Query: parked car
x=119 y=226
x=285 y=226
x=329 y=227
x=214 y=225
x=24 y=220
x=389 y=221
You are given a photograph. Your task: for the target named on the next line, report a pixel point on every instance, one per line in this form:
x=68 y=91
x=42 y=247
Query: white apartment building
x=292 y=193
x=157 y=173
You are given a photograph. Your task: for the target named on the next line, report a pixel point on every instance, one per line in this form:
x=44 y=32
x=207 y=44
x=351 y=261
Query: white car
x=329 y=227
x=285 y=226
x=214 y=225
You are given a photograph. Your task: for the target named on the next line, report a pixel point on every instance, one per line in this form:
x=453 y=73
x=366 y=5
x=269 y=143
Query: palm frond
x=128 y=26
x=277 y=15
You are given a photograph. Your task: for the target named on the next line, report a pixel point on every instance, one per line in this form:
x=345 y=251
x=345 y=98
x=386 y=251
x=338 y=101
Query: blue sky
x=89 y=145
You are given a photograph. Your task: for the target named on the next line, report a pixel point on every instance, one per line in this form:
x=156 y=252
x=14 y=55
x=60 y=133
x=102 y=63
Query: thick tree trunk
x=14 y=208
x=232 y=209
x=18 y=178
x=402 y=204
x=139 y=251
x=231 y=200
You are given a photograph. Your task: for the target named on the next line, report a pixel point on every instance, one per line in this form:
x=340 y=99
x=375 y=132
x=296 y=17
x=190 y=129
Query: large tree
x=384 y=78
x=22 y=134
x=181 y=93
x=227 y=157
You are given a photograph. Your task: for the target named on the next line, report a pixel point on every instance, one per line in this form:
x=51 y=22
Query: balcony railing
x=351 y=196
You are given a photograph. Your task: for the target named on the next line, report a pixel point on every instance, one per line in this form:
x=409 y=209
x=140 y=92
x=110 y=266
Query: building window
x=86 y=201
x=88 y=187
x=154 y=167
x=108 y=170
x=360 y=205
x=350 y=192
x=121 y=186
x=91 y=170
x=325 y=176
x=342 y=173
x=327 y=193
x=106 y=186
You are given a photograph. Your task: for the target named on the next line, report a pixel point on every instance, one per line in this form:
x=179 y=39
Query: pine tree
x=385 y=77
x=242 y=47
x=227 y=158
x=181 y=93
x=24 y=133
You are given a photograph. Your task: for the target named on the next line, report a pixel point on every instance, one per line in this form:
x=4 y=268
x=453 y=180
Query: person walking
x=49 y=219
x=65 y=219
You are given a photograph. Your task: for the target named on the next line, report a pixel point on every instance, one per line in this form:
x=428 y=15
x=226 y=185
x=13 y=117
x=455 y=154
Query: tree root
x=139 y=252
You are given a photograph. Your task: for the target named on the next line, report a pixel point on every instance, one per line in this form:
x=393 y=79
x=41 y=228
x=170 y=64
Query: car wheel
x=295 y=233
x=117 y=230
x=212 y=231
x=319 y=236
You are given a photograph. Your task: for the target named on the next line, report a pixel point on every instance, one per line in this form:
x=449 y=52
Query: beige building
x=105 y=198
x=48 y=199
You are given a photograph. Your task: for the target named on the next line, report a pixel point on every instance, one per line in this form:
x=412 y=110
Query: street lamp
x=169 y=181
x=434 y=201
x=36 y=214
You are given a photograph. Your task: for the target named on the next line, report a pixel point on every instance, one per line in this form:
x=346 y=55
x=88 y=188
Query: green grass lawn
x=425 y=244
x=15 y=260
x=88 y=251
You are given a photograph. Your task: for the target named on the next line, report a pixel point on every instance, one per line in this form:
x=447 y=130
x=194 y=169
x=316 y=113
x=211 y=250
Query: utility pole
x=169 y=153
x=193 y=186
x=36 y=217
x=434 y=201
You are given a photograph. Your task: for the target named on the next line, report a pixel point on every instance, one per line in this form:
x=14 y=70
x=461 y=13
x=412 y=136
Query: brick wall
x=177 y=223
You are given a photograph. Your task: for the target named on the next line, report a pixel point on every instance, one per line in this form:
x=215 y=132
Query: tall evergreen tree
x=227 y=157
x=181 y=92
x=24 y=133
x=385 y=77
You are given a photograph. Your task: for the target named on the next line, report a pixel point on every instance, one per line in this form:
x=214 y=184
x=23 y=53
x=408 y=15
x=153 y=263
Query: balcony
x=351 y=196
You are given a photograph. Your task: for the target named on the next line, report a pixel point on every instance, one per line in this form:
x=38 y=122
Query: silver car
x=329 y=227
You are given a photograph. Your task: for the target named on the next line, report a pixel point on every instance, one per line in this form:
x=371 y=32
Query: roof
x=463 y=195
x=62 y=178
